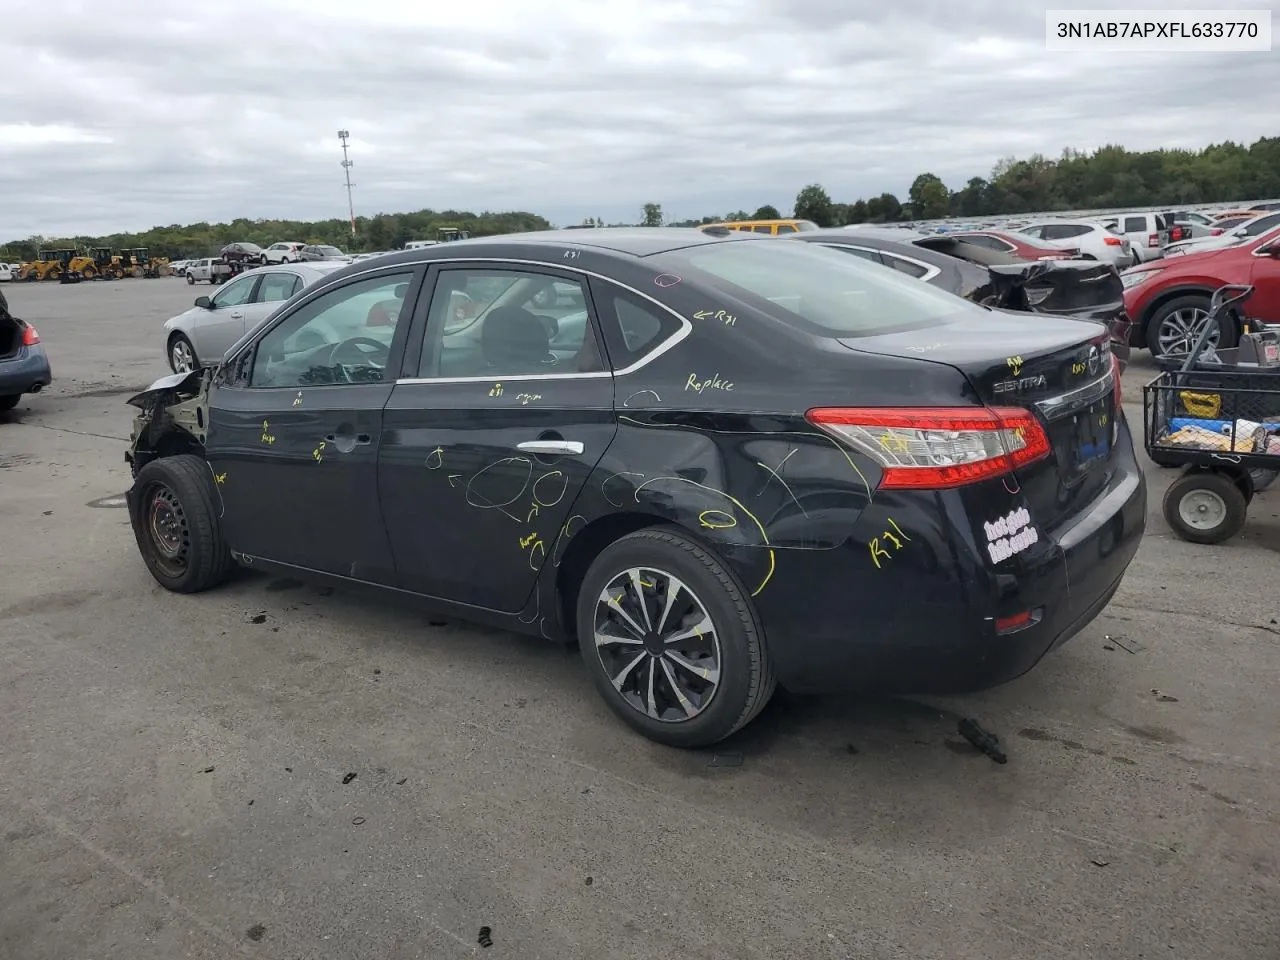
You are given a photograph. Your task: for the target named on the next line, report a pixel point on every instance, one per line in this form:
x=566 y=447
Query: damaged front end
x=1077 y=288
x=174 y=418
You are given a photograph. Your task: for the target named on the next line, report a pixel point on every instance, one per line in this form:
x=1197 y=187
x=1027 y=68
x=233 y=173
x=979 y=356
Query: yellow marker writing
x=525 y=541
x=716 y=520
x=219 y=478
x=877 y=551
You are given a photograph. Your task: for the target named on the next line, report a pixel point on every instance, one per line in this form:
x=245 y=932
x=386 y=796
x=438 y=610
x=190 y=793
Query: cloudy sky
x=568 y=108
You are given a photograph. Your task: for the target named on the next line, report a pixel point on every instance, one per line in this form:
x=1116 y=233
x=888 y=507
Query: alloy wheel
x=181 y=356
x=657 y=644
x=1179 y=330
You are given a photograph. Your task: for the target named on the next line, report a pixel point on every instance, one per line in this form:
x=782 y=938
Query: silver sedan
x=204 y=333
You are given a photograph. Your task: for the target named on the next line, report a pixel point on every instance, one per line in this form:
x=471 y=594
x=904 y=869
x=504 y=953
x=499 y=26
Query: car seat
x=513 y=341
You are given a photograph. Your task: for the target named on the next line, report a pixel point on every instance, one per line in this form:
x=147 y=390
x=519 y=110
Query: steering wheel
x=359 y=351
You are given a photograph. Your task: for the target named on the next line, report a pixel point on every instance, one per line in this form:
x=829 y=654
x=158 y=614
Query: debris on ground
x=988 y=743
x=207 y=770
x=260 y=617
x=731 y=758
x=1163 y=697
x=485 y=939
x=256 y=932
x=356 y=821
x=402 y=781
x=1125 y=644
x=1101 y=863
x=348 y=778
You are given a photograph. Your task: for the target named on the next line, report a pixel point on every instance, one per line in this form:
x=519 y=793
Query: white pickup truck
x=211 y=269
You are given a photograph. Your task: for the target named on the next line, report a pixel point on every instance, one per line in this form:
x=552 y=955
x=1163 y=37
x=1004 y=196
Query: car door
x=293 y=434
x=274 y=287
x=222 y=323
x=503 y=413
x=1264 y=274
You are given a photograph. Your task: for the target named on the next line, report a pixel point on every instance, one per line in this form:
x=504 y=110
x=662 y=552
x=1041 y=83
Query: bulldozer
x=47 y=265
x=138 y=262
x=449 y=234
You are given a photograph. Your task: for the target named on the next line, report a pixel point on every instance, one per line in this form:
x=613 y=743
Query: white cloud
x=568 y=108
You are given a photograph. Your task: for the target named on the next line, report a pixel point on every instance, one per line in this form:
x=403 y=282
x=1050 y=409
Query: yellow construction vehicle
x=47 y=265
x=102 y=264
x=138 y=262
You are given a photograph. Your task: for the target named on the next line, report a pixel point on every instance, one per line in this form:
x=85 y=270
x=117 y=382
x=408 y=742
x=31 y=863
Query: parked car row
x=624 y=460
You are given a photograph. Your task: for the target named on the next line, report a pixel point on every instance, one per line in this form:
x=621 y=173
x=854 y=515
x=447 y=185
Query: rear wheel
x=174 y=521
x=1263 y=478
x=671 y=639
x=1205 y=507
x=9 y=401
x=190 y=279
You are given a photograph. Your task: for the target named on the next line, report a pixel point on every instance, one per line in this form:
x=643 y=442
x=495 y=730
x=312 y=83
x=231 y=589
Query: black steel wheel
x=671 y=639
x=1205 y=507
x=175 y=523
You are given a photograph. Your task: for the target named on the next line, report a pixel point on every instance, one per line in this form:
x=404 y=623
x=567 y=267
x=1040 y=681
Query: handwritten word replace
x=713 y=382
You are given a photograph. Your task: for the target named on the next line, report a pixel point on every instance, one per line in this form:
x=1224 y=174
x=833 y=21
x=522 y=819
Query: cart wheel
x=1205 y=507
x=1263 y=478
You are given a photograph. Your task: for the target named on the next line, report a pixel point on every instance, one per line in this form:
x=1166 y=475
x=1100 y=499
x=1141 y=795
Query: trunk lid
x=1059 y=368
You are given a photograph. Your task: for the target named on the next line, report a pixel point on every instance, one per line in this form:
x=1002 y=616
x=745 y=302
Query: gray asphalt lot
x=176 y=779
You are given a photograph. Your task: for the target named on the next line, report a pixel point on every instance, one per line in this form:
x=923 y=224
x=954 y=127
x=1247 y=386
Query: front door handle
x=237 y=315
x=552 y=448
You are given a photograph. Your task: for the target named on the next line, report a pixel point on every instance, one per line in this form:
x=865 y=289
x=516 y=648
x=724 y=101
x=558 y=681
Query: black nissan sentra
x=719 y=463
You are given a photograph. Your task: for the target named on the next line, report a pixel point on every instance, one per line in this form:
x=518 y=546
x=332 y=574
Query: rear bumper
x=925 y=620
x=25 y=372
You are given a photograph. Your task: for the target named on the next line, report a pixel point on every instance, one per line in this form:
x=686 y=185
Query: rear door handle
x=347 y=440
x=552 y=448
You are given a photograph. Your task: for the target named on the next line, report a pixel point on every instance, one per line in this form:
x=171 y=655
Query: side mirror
x=204 y=302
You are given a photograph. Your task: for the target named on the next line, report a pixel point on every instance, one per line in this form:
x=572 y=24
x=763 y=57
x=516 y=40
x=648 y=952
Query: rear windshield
x=793 y=281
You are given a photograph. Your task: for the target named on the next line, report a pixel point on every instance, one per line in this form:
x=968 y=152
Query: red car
x=1168 y=299
x=1017 y=244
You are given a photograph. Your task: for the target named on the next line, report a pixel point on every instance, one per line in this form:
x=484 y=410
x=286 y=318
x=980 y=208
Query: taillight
x=933 y=448
x=1175 y=234
x=1153 y=240
x=29 y=336
x=1112 y=241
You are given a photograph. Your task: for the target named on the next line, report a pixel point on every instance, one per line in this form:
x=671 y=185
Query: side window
x=1261 y=225
x=490 y=322
x=343 y=336
x=905 y=266
x=632 y=325
x=857 y=252
x=277 y=286
x=235 y=293
x=1040 y=233
x=1135 y=224
x=786 y=228
x=991 y=243
x=765 y=228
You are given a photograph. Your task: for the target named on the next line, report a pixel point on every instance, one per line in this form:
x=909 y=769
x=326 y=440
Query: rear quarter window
x=815 y=288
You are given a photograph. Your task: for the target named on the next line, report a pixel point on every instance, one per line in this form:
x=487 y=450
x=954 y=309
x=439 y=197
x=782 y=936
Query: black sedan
x=1080 y=288
x=718 y=463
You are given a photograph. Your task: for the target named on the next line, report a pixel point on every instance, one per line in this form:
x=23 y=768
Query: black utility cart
x=1216 y=414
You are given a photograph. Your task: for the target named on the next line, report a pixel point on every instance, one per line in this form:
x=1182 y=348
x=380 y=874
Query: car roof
x=631 y=241
x=899 y=234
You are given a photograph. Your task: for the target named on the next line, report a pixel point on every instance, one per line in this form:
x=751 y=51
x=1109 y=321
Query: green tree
x=858 y=211
x=767 y=212
x=814 y=203
x=652 y=215
x=929 y=197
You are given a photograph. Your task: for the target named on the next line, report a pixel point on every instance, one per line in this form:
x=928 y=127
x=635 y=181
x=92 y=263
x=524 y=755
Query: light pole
x=345 y=135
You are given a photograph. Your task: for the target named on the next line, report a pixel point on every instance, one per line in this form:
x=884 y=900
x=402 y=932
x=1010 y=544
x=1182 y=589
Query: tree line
x=384 y=231
x=1109 y=177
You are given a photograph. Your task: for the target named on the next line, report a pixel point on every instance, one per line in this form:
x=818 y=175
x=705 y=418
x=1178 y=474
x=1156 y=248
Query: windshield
x=792 y=280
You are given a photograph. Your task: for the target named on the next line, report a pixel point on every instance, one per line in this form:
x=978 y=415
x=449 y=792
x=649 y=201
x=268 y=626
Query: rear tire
x=706 y=685
x=1205 y=507
x=171 y=507
x=1263 y=478
x=9 y=401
